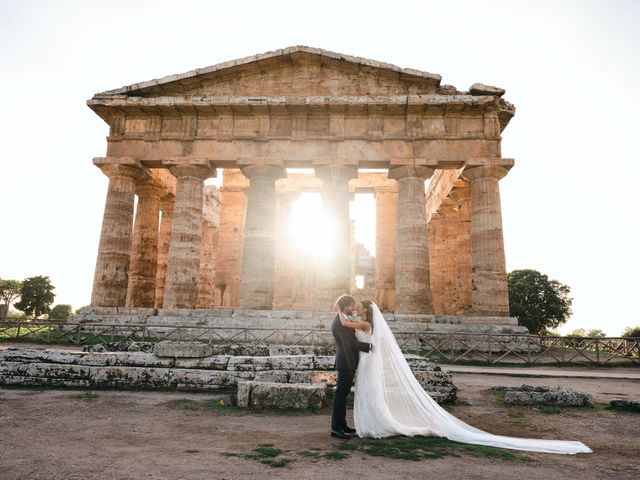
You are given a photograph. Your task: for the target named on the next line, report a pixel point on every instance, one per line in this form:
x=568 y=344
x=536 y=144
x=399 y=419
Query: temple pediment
x=293 y=71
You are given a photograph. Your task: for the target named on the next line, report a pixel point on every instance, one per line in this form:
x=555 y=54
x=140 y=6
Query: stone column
x=335 y=275
x=461 y=248
x=144 y=249
x=210 y=225
x=489 y=273
x=258 y=257
x=233 y=209
x=385 y=263
x=112 y=265
x=166 y=206
x=183 y=267
x=413 y=292
x=286 y=267
x=435 y=232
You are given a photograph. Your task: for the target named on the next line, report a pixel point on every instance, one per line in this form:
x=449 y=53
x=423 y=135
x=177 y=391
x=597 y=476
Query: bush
x=632 y=332
x=60 y=312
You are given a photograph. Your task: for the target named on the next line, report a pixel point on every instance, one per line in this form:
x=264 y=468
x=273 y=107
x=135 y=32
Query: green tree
x=632 y=332
x=36 y=296
x=9 y=291
x=596 y=332
x=539 y=303
x=581 y=332
x=578 y=332
x=60 y=312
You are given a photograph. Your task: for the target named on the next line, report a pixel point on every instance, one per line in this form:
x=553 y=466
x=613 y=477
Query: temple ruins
x=355 y=126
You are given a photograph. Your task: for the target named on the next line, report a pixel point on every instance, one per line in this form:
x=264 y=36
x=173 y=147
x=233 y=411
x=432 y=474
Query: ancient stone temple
x=356 y=125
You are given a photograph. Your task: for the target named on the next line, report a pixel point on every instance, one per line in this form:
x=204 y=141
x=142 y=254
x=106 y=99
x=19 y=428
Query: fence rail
x=443 y=347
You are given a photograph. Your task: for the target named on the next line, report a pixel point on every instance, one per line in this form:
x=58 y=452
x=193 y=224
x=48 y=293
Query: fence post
x=597 y=351
x=18 y=330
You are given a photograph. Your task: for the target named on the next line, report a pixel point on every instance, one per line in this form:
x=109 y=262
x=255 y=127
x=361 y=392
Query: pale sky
x=572 y=68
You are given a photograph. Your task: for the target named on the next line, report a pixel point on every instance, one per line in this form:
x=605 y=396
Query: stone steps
x=185 y=366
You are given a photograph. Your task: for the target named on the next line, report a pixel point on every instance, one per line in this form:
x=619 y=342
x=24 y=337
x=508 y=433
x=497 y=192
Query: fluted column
x=181 y=286
x=210 y=224
x=166 y=206
x=143 y=265
x=489 y=273
x=413 y=292
x=335 y=274
x=112 y=265
x=385 y=273
x=287 y=269
x=258 y=257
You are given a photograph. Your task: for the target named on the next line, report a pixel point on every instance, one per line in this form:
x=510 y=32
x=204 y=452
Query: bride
x=390 y=401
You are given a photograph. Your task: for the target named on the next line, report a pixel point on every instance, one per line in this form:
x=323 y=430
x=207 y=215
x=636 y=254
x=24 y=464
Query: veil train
x=390 y=401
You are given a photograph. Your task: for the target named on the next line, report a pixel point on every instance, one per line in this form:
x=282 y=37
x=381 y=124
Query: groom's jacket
x=347 y=346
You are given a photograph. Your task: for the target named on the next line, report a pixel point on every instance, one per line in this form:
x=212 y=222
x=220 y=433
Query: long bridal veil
x=390 y=401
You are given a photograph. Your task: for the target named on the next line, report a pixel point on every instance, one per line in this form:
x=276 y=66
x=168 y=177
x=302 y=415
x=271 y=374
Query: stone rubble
x=192 y=366
x=544 y=395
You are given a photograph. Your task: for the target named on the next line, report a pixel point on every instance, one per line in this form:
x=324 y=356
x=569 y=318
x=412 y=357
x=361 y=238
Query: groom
x=347 y=348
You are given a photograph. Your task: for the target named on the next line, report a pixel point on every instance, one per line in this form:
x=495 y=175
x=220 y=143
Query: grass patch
x=424 y=448
x=515 y=414
x=335 y=455
x=493 y=452
x=189 y=450
x=310 y=453
x=265 y=454
x=400 y=448
x=90 y=395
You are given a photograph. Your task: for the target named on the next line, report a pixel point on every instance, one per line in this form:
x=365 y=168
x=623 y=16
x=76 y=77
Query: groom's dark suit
x=347 y=356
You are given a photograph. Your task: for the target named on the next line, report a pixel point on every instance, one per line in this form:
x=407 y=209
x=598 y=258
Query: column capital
x=335 y=172
x=407 y=171
x=489 y=171
x=270 y=171
x=150 y=188
x=139 y=174
x=201 y=172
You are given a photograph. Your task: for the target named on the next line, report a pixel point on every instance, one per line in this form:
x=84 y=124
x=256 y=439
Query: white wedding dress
x=390 y=401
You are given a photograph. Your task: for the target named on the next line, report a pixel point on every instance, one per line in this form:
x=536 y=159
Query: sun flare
x=312 y=229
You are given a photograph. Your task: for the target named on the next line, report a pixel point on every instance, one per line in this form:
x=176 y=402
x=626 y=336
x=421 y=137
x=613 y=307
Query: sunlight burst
x=312 y=229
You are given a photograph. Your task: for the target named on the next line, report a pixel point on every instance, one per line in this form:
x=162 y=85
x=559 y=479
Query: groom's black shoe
x=340 y=434
x=349 y=430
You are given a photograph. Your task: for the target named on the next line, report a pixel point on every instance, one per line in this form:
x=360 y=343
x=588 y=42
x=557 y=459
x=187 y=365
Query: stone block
x=182 y=349
x=324 y=362
x=561 y=397
x=205 y=380
x=244 y=393
x=263 y=395
x=625 y=404
x=273 y=376
x=216 y=362
x=241 y=350
x=241 y=364
x=293 y=362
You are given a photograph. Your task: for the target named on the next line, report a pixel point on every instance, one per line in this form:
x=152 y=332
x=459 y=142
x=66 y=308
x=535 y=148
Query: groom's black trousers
x=343 y=387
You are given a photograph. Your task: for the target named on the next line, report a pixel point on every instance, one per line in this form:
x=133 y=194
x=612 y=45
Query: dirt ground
x=66 y=434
